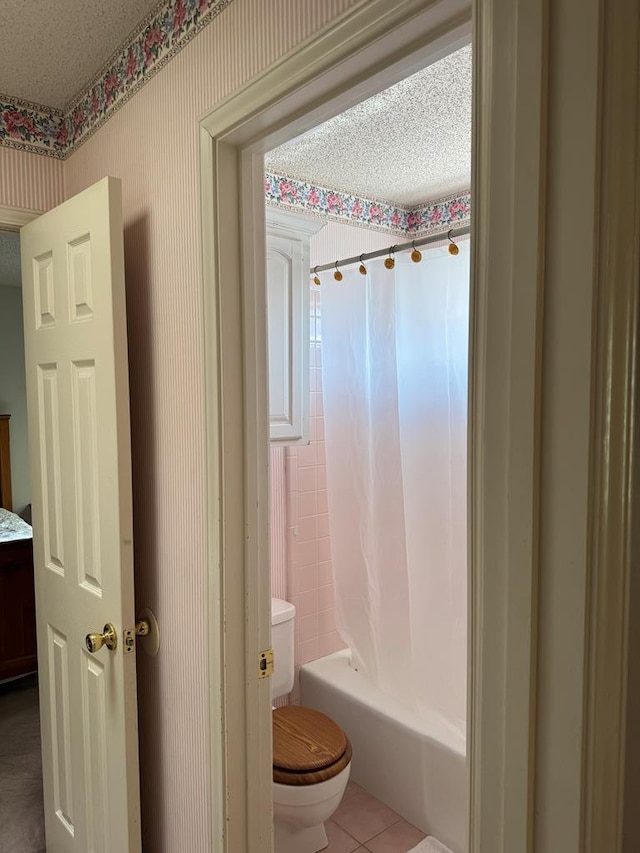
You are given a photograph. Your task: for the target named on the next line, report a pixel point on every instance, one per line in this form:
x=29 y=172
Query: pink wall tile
x=329 y=643
x=326 y=621
x=326 y=598
x=306 y=553
x=307 y=528
x=307 y=455
x=306 y=578
x=308 y=651
x=308 y=628
x=323 y=503
x=307 y=505
x=307 y=603
x=307 y=479
x=324 y=549
x=325 y=573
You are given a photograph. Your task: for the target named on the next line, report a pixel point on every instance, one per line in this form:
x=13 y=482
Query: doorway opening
x=21 y=797
x=368 y=484
x=332 y=73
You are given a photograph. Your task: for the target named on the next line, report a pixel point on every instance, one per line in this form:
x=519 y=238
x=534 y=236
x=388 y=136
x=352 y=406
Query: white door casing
x=533 y=105
x=78 y=411
x=375 y=44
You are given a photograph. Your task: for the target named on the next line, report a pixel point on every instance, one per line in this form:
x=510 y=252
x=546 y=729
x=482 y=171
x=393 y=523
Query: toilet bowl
x=311 y=754
x=311 y=767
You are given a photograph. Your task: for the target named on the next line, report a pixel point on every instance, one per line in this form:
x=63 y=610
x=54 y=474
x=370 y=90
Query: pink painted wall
x=309 y=581
x=30 y=180
x=151 y=144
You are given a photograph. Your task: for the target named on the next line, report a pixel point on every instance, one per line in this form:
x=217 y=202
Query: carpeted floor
x=21 y=814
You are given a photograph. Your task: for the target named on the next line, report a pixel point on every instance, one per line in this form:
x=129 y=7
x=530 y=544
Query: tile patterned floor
x=363 y=823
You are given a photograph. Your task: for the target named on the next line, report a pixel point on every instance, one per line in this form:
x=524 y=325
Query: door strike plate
x=265 y=664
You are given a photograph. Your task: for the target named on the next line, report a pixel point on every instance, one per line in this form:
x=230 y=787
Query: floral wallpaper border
x=163 y=33
x=30 y=127
x=155 y=41
x=297 y=195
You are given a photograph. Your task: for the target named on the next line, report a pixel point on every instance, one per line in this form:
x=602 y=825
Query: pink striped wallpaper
x=151 y=143
x=30 y=180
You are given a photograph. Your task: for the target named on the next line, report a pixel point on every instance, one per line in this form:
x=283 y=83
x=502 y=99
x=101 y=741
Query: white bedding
x=12 y=527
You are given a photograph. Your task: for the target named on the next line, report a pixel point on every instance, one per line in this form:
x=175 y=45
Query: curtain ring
x=453 y=249
x=390 y=262
x=337 y=274
x=316 y=277
x=416 y=256
x=362 y=269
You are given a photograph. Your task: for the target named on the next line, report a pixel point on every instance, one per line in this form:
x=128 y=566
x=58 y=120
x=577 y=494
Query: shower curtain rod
x=400 y=247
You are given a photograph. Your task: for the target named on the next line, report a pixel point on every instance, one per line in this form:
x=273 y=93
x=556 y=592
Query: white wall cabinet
x=288 y=286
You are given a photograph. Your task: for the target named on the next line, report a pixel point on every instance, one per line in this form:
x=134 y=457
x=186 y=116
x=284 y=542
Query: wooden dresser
x=17 y=593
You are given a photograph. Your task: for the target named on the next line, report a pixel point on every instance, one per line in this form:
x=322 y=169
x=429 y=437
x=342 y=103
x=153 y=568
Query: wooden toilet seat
x=308 y=747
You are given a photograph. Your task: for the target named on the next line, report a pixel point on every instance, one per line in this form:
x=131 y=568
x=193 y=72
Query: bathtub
x=415 y=765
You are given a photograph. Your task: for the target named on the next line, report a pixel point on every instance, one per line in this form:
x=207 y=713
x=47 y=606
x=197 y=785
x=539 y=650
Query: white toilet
x=311 y=754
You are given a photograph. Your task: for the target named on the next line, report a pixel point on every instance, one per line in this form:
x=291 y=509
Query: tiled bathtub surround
x=309 y=579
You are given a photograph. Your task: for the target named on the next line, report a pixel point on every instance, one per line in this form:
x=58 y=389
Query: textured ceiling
x=409 y=144
x=51 y=50
x=10 y=259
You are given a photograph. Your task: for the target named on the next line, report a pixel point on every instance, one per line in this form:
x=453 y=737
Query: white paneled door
x=78 y=403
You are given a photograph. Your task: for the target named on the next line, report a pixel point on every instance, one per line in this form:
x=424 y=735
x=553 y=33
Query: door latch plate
x=129 y=638
x=146 y=628
x=265 y=664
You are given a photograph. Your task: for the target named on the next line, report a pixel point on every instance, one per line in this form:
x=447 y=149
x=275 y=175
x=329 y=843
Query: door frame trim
x=611 y=748
x=13 y=218
x=328 y=73
x=338 y=65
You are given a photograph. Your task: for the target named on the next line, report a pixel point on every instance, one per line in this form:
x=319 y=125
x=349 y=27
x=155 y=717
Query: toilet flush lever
x=265 y=664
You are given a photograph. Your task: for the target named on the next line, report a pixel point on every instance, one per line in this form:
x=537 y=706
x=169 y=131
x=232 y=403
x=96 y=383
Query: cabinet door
x=288 y=313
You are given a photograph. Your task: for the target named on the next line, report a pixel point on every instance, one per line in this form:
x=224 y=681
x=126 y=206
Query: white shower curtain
x=394 y=369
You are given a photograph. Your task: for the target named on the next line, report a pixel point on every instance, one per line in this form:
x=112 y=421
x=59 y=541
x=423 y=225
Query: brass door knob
x=108 y=638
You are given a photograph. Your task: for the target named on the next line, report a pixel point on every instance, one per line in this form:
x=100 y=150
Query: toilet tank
x=282 y=616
